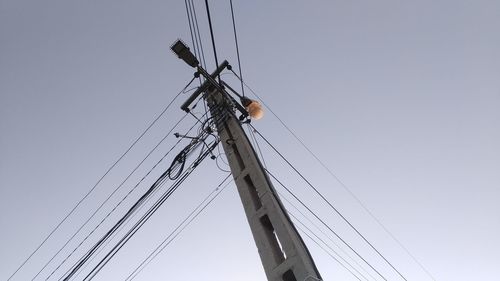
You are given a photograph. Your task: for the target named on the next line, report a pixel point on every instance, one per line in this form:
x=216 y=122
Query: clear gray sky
x=399 y=98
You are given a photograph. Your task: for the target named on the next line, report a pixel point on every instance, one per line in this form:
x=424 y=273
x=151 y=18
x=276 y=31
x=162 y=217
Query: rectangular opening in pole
x=289 y=276
x=272 y=239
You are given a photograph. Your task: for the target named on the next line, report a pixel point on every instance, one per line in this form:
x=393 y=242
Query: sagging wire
x=186 y=222
x=196 y=38
x=327 y=236
x=111 y=195
x=140 y=208
x=237 y=47
x=143 y=219
x=212 y=34
x=326 y=251
x=256 y=143
x=326 y=225
x=218 y=165
x=189 y=171
x=347 y=189
x=118 y=204
x=332 y=207
x=178 y=163
x=181 y=157
x=219 y=156
x=99 y=181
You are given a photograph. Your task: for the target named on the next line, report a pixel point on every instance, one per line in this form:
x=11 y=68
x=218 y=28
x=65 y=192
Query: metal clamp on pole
x=210 y=79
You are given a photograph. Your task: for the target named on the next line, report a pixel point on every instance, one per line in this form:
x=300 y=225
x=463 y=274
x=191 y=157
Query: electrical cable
x=114 y=234
x=237 y=47
x=107 y=215
x=325 y=224
x=197 y=42
x=201 y=51
x=212 y=34
x=125 y=225
x=145 y=217
x=99 y=181
x=131 y=232
x=189 y=6
x=219 y=154
x=85 y=258
x=116 y=189
x=110 y=195
x=327 y=236
x=254 y=140
x=196 y=211
x=344 y=186
x=158 y=183
x=190 y=26
x=195 y=117
x=331 y=206
x=325 y=250
x=280 y=205
x=82 y=260
x=218 y=166
x=119 y=203
x=322 y=248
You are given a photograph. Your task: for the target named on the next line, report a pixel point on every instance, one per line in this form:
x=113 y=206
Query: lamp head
x=184 y=53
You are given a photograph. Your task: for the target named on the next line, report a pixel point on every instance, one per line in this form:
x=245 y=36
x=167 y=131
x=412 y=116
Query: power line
x=110 y=195
x=129 y=234
x=195 y=31
x=325 y=250
x=115 y=233
x=125 y=225
x=196 y=211
x=254 y=140
x=145 y=217
x=199 y=36
x=331 y=205
x=237 y=47
x=322 y=232
x=119 y=203
x=344 y=186
x=108 y=215
x=325 y=224
x=196 y=37
x=116 y=189
x=188 y=12
x=100 y=179
x=212 y=33
x=182 y=156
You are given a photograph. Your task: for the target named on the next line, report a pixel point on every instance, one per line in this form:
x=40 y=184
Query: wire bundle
x=174 y=172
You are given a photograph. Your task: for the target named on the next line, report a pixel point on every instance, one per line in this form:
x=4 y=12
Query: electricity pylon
x=282 y=251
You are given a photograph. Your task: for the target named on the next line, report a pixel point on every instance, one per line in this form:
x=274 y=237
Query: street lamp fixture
x=184 y=53
x=252 y=107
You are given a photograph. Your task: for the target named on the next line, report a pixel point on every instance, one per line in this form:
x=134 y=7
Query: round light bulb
x=255 y=110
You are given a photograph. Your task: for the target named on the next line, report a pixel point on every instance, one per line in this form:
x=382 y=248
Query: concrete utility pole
x=283 y=253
